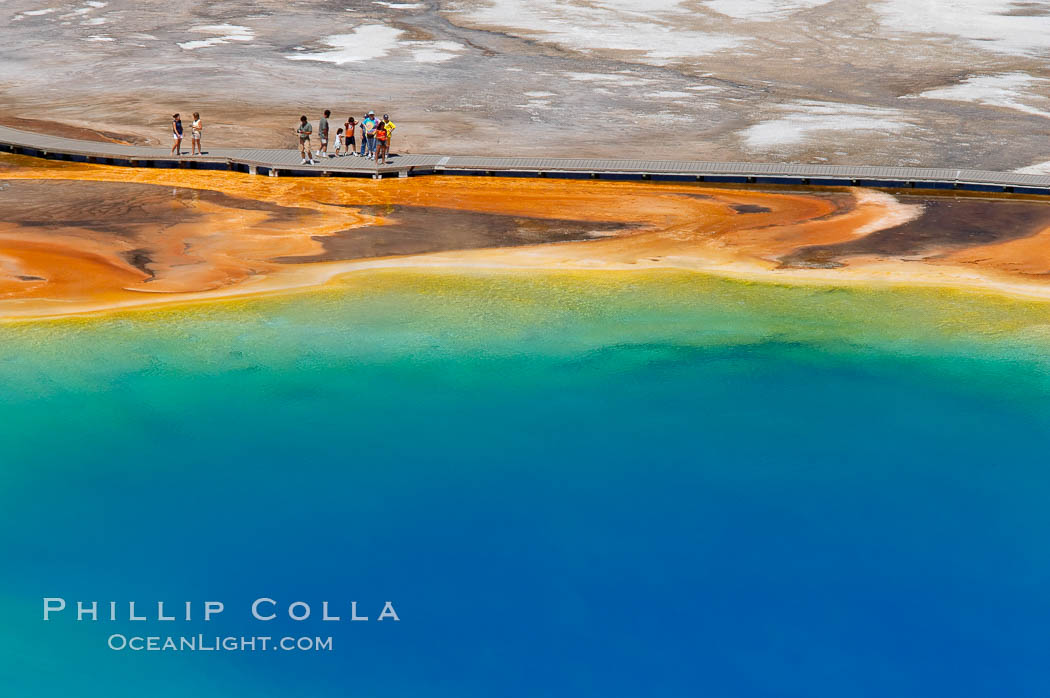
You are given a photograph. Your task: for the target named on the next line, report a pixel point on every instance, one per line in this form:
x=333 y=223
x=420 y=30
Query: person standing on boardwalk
x=381 y=142
x=195 y=133
x=369 y=128
x=390 y=126
x=322 y=132
x=363 y=128
x=370 y=133
x=304 y=131
x=349 y=128
x=176 y=133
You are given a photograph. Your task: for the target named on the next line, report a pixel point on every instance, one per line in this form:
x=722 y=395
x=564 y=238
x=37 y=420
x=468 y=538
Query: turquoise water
x=608 y=485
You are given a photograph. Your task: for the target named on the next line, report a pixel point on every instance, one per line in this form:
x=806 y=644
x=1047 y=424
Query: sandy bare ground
x=840 y=81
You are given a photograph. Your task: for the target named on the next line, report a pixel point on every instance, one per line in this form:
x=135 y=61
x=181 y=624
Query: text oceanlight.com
x=201 y=643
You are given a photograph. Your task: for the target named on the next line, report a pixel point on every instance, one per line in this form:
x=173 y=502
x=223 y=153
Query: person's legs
x=196 y=145
x=371 y=146
x=364 y=144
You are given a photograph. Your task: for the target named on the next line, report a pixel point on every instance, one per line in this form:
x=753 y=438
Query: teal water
x=591 y=484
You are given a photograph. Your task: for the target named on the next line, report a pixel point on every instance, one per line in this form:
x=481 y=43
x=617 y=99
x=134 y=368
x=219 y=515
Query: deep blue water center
x=650 y=485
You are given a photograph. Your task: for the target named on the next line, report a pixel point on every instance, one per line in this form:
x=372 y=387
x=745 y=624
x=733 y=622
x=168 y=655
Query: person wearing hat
x=370 y=134
x=390 y=126
x=368 y=129
x=303 y=131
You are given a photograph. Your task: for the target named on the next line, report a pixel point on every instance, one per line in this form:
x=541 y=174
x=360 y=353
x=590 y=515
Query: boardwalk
x=287 y=163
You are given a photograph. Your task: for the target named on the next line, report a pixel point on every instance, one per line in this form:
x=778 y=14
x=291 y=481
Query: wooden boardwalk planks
x=288 y=162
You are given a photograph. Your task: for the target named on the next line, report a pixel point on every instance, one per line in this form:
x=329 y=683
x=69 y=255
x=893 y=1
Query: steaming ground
x=963 y=83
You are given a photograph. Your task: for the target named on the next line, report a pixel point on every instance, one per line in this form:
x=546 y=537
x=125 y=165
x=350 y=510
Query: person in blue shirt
x=368 y=135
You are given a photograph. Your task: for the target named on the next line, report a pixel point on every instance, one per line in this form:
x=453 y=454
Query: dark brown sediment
x=406 y=230
x=945 y=225
x=125 y=209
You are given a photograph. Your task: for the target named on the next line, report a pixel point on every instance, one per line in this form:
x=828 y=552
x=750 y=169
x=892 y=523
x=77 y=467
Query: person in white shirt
x=195 y=132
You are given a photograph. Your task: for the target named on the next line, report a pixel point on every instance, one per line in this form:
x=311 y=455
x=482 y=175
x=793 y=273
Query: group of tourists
x=375 y=136
x=195 y=133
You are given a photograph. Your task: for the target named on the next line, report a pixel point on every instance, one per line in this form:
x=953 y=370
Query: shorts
x=324 y=141
x=350 y=141
x=176 y=136
x=196 y=135
x=304 y=141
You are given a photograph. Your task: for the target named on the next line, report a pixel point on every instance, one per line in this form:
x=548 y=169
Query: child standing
x=338 y=141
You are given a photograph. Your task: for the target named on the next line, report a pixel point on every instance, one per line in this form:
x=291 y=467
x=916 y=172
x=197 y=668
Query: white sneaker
x=303 y=162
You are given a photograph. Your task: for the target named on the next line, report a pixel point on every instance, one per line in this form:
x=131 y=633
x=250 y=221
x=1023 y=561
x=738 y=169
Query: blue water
x=668 y=485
